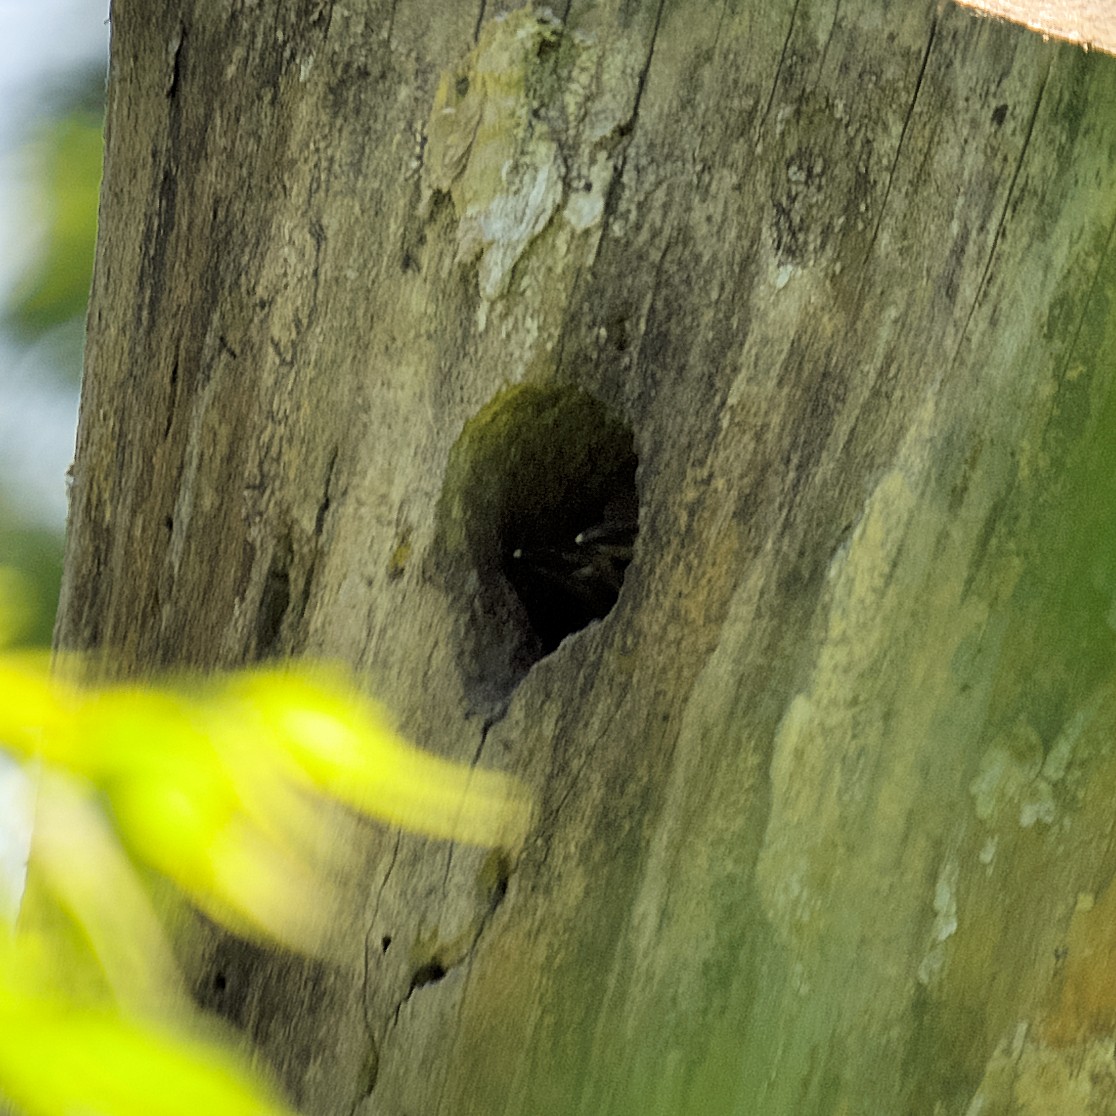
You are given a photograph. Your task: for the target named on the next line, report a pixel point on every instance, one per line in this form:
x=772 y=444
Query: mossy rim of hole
x=536 y=524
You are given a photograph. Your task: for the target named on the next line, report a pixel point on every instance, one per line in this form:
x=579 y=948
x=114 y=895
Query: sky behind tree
x=46 y=45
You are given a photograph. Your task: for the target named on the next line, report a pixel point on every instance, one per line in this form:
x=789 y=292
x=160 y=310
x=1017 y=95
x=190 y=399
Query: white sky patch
x=44 y=42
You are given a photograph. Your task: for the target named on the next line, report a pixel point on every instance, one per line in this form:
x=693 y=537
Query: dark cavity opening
x=537 y=525
x=430 y=973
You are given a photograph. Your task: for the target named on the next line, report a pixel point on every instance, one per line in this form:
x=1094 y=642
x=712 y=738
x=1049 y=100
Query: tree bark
x=386 y=293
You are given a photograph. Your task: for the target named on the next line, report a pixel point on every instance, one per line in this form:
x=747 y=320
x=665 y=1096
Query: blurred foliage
x=48 y=305
x=227 y=788
x=61 y=1057
x=37 y=552
x=66 y=158
x=219 y=785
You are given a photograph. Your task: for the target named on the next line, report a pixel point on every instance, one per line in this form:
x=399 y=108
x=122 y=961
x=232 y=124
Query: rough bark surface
x=387 y=290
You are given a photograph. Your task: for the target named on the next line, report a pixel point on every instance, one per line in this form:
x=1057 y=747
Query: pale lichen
x=527 y=121
x=1029 y=1077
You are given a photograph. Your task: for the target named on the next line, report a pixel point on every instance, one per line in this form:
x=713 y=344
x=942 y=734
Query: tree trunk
x=401 y=310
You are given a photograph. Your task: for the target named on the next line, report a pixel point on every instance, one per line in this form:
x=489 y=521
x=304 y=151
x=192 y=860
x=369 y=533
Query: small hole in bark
x=385 y=942
x=493 y=879
x=430 y=973
x=537 y=524
x=548 y=46
x=275 y=598
x=224 y=984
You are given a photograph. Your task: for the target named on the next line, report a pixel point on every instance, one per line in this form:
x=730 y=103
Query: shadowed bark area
x=822 y=294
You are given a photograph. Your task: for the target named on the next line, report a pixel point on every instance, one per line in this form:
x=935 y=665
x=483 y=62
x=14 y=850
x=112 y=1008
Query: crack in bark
x=371 y=1070
x=630 y=126
x=160 y=224
x=895 y=157
x=1003 y=214
x=176 y=57
x=323 y=507
x=275 y=601
x=480 y=20
x=829 y=39
x=439 y=963
x=779 y=67
x=710 y=109
x=449 y=956
x=171 y=403
x=720 y=24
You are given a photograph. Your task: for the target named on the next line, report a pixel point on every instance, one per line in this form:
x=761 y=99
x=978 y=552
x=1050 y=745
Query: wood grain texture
x=825 y=799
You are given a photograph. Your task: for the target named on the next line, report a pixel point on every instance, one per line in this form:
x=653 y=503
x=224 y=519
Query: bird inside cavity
x=567 y=579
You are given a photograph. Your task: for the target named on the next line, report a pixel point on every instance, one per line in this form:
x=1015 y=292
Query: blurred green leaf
x=221 y=784
x=67 y=157
x=37 y=554
x=61 y=1056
